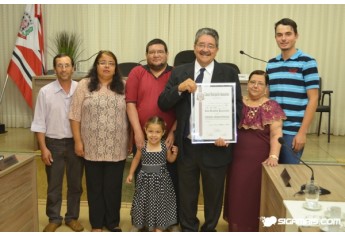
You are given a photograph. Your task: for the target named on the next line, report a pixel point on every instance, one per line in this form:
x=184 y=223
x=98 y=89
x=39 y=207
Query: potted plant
x=68 y=43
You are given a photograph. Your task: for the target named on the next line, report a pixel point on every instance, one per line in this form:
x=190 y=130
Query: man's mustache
x=203 y=53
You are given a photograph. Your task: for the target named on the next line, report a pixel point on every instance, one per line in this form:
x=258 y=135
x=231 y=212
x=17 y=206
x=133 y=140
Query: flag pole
x=3 y=89
x=2 y=126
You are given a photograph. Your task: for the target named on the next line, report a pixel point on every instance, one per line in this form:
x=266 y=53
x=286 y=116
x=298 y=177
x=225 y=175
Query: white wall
x=125 y=29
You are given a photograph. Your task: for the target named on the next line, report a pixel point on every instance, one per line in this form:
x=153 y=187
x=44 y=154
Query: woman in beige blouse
x=101 y=132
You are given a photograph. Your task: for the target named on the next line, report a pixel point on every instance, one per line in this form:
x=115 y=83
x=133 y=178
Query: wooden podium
x=39 y=81
x=274 y=191
x=18 y=196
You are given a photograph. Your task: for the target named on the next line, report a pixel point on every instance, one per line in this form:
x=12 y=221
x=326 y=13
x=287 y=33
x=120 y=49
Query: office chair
x=183 y=57
x=126 y=67
x=233 y=66
x=324 y=108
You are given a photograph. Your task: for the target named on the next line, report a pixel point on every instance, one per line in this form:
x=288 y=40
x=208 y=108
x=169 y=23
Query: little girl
x=154 y=202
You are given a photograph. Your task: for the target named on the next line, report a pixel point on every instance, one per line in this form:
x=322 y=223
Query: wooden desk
x=273 y=190
x=39 y=81
x=18 y=196
x=244 y=87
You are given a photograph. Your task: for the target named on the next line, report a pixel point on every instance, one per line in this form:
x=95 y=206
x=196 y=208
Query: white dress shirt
x=206 y=79
x=207 y=73
x=51 y=111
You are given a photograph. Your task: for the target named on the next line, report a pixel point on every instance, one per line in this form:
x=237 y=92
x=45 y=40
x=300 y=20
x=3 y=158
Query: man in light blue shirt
x=52 y=127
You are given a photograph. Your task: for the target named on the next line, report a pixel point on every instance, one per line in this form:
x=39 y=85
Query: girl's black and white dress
x=154 y=201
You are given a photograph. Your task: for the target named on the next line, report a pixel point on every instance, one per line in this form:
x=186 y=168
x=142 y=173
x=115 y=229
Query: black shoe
x=116 y=229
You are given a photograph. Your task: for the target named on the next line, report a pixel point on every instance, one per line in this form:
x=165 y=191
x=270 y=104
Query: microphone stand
x=323 y=191
x=139 y=63
x=243 y=53
x=2 y=126
x=78 y=62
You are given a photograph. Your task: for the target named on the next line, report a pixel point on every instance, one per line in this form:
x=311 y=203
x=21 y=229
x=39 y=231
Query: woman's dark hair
x=115 y=85
x=259 y=72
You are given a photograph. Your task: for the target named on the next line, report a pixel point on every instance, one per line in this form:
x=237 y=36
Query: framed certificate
x=213 y=113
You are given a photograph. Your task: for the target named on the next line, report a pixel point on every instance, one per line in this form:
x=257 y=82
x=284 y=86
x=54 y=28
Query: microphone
x=78 y=62
x=243 y=53
x=141 y=61
x=322 y=190
x=282 y=142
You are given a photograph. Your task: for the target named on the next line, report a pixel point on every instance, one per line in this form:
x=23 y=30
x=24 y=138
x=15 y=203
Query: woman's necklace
x=253 y=109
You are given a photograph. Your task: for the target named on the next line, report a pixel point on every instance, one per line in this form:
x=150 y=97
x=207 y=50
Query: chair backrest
x=233 y=66
x=126 y=67
x=188 y=56
x=183 y=57
x=320 y=91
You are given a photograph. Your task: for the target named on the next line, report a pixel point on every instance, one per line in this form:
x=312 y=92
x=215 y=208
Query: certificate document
x=214 y=113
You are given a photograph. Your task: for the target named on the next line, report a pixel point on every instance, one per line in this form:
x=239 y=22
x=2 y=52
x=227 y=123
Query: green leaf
x=68 y=43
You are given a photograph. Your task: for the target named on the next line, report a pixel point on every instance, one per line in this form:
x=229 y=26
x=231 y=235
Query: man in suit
x=208 y=160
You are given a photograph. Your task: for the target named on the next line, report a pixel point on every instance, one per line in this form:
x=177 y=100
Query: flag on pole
x=28 y=54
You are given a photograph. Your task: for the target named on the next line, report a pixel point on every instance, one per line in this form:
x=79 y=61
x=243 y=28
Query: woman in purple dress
x=257 y=144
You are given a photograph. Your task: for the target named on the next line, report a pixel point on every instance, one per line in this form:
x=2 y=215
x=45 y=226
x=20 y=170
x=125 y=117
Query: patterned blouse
x=258 y=117
x=103 y=120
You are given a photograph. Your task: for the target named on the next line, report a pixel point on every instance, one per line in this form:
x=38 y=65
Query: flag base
x=2 y=129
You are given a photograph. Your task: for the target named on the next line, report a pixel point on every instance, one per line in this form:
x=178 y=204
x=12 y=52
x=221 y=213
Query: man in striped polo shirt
x=294 y=83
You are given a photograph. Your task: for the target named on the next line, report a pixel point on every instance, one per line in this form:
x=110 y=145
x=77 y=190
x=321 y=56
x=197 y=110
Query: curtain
x=126 y=29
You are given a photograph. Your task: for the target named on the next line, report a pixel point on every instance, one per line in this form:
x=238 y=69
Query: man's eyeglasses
x=105 y=63
x=209 y=46
x=60 y=66
x=253 y=83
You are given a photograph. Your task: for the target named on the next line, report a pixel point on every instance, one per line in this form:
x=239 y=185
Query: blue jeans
x=287 y=155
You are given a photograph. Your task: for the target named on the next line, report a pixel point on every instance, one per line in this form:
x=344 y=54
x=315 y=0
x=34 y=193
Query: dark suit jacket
x=170 y=98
